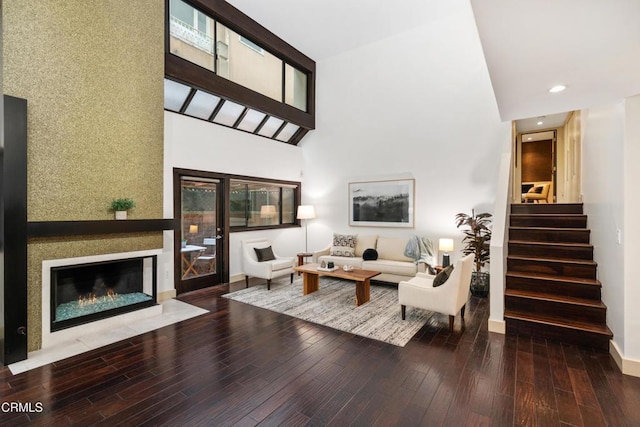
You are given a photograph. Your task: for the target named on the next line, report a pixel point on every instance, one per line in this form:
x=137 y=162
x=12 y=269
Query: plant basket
x=480 y=284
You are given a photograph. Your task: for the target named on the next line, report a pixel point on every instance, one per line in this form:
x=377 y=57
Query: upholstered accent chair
x=449 y=298
x=268 y=268
x=537 y=194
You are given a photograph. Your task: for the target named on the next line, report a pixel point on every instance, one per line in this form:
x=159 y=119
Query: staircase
x=551 y=286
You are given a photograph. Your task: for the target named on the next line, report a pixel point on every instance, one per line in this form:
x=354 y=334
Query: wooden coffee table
x=311 y=279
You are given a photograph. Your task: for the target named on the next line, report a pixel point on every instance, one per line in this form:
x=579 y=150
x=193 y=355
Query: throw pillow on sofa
x=343 y=245
x=264 y=254
x=370 y=255
x=443 y=276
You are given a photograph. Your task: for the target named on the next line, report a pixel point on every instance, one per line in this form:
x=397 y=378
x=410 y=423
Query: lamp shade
x=267 y=211
x=306 y=212
x=445 y=245
x=193 y=229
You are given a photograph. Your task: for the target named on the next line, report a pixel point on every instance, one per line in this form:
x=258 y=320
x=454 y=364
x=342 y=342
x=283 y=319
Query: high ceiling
x=592 y=46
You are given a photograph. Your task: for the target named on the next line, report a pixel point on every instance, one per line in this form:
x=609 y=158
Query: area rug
x=334 y=305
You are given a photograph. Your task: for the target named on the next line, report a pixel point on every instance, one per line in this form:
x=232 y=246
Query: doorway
x=198 y=254
x=538 y=163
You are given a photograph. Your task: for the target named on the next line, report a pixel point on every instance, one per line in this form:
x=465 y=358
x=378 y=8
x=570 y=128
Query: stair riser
x=555 y=236
x=552 y=221
x=553 y=268
x=577 y=313
x=551 y=251
x=554 y=333
x=576 y=290
x=533 y=208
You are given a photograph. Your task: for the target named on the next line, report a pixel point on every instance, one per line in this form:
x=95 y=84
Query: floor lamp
x=306 y=212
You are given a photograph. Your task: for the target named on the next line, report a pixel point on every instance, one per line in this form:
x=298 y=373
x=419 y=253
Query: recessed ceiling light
x=529 y=139
x=557 y=88
x=539 y=123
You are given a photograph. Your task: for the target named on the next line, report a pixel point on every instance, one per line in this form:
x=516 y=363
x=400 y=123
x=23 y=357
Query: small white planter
x=121 y=214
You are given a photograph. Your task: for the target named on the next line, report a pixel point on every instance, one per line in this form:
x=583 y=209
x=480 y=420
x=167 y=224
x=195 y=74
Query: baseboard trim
x=626 y=366
x=163 y=296
x=236 y=278
x=497 y=326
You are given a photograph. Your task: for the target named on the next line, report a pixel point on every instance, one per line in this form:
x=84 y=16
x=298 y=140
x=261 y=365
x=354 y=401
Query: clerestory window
x=260 y=65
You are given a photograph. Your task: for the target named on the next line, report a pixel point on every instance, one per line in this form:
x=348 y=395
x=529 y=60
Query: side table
x=301 y=257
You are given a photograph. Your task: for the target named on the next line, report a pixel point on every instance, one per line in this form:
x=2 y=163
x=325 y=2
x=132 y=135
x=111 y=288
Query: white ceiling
x=321 y=29
x=548 y=122
x=592 y=46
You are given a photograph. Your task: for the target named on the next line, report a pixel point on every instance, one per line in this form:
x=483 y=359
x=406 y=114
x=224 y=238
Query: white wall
x=420 y=105
x=195 y=144
x=603 y=190
x=631 y=236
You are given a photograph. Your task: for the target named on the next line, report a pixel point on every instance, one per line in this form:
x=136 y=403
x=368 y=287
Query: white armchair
x=268 y=270
x=449 y=298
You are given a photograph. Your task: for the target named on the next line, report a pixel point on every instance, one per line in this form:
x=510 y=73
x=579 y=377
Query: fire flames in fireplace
x=93 y=298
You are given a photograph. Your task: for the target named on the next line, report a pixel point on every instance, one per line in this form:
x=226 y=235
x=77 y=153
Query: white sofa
x=392 y=263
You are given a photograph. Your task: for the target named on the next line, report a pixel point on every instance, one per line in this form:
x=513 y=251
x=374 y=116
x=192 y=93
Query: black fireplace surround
x=84 y=293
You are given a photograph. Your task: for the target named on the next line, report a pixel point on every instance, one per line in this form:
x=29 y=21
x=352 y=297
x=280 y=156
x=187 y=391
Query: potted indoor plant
x=121 y=206
x=477 y=238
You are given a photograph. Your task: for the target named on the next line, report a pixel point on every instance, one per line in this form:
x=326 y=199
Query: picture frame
x=388 y=203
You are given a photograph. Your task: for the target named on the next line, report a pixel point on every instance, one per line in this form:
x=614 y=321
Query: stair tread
x=521 y=227
x=550 y=277
x=548 y=215
x=558 y=321
x=561 y=244
x=549 y=204
x=555 y=298
x=561 y=260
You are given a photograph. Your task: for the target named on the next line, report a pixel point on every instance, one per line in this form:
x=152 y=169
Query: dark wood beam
x=97 y=227
x=187 y=101
x=297 y=137
x=240 y=118
x=216 y=110
x=13 y=233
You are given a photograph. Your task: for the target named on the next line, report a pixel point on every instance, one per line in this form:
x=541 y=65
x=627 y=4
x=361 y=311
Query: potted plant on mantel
x=477 y=239
x=121 y=206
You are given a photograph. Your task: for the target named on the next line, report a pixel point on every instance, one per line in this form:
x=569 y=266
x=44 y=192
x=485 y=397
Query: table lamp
x=306 y=212
x=445 y=245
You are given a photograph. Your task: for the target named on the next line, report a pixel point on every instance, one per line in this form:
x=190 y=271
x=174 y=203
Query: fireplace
x=87 y=292
x=83 y=295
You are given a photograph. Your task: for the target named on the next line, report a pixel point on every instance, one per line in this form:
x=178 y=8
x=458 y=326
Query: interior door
x=198 y=244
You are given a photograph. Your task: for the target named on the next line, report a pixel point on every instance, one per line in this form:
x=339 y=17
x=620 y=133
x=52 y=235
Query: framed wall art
x=382 y=203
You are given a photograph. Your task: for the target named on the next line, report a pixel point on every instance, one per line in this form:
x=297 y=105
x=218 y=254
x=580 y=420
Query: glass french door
x=200 y=234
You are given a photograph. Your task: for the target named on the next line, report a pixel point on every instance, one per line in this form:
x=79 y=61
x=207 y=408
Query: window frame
x=297 y=193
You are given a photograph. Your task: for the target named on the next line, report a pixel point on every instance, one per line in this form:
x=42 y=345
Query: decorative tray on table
x=327 y=268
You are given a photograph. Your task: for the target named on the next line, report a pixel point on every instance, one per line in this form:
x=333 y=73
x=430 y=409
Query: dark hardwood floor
x=241 y=365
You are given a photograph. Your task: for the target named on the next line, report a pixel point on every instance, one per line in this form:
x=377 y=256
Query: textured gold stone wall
x=92 y=73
